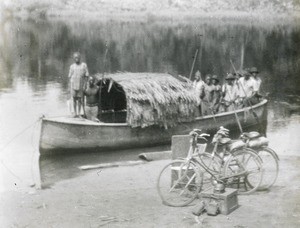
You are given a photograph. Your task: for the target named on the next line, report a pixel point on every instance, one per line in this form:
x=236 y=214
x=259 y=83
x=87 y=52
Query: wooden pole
x=195 y=57
x=242 y=56
x=101 y=82
x=235 y=113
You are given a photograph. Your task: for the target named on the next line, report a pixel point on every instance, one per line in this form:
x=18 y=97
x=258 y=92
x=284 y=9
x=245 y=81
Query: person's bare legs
x=75 y=106
x=83 y=106
x=79 y=105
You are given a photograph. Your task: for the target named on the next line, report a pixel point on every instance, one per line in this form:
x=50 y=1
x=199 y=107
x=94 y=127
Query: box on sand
x=227 y=201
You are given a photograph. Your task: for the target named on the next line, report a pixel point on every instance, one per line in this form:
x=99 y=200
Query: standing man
x=78 y=76
x=92 y=93
x=229 y=94
x=254 y=72
x=247 y=89
x=197 y=85
x=206 y=96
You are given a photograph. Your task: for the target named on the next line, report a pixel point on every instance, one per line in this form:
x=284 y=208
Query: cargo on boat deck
x=149 y=99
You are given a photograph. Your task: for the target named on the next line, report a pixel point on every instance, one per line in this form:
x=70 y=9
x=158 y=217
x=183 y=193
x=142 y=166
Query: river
x=35 y=56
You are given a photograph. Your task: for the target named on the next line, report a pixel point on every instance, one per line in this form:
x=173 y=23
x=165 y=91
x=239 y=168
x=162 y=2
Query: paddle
x=235 y=114
x=254 y=113
x=101 y=81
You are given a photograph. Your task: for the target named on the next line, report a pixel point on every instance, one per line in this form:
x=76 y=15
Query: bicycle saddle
x=251 y=135
x=224 y=141
x=236 y=144
x=257 y=142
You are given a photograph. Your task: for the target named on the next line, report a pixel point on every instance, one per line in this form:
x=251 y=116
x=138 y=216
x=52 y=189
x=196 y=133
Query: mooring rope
x=11 y=140
x=17 y=135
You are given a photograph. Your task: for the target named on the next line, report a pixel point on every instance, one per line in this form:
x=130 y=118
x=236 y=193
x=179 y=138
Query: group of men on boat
x=241 y=89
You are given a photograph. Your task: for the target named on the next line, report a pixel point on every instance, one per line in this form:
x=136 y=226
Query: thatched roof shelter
x=154 y=98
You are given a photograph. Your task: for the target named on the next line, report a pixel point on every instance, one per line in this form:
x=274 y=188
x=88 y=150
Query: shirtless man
x=91 y=92
x=198 y=84
x=78 y=76
x=206 y=96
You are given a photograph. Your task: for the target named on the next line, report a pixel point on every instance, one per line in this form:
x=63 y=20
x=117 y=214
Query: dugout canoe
x=68 y=135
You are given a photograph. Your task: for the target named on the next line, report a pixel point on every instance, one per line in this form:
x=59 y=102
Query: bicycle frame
x=195 y=159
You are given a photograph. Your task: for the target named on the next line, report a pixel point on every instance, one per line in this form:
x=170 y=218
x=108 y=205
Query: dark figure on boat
x=78 y=74
x=216 y=93
x=92 y=93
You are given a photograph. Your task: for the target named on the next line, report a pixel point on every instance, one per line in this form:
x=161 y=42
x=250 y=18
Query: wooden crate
x=227 y=201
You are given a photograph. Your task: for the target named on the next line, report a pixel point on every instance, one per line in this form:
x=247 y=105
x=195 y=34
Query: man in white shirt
x=254 y=72
x=247 y=89
x=230 y=94
x=78 y=75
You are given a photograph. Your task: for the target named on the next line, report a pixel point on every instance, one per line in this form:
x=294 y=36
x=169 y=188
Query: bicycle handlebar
x=204 y=135
x=223 y=131
x=196 y=133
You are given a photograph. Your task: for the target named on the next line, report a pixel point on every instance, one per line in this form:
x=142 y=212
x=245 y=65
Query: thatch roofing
x=156 y=98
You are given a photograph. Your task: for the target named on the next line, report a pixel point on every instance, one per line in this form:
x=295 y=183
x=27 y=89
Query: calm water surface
x=35 y=57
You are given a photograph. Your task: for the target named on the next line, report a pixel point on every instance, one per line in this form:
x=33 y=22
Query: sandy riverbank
x=129 y=195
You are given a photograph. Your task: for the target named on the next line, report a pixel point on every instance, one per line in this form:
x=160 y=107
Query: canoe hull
x=65 y=135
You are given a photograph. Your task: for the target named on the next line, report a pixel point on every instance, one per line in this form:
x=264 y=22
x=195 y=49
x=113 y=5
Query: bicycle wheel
x=179 y=183
x=243 y=171
x=270 y=165
x=210 y=167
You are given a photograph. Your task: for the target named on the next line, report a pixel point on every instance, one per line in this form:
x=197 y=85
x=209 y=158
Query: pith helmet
x=215 y=77
x=229 y=77
x=253 y=70
x=208 y=76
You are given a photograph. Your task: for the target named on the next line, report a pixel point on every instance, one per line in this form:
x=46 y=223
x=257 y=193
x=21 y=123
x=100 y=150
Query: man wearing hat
x=254 y=72
x=247 y=89
x=230 y=94
x=216 y=93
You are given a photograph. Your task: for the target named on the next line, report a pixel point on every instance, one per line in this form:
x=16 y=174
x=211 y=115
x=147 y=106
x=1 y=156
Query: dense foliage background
x=60 y=7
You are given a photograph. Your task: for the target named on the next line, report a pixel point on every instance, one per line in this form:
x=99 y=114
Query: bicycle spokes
x=179 y=183
x=244 y=171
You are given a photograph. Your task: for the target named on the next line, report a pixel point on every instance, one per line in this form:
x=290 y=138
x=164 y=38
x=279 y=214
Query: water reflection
x=42 y=49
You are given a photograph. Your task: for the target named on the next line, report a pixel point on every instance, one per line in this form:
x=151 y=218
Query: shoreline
x=128 y=196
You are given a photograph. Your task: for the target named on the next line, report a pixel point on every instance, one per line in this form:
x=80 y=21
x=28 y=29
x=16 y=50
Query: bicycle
x=180 y=181
x=269 y=157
